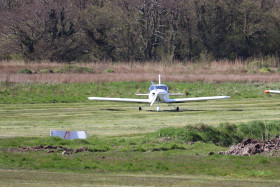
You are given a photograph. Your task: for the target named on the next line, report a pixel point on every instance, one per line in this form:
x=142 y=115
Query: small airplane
x=271 y=91
x=158 y=93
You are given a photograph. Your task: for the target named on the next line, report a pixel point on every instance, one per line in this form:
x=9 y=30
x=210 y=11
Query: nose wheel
x=158 y=108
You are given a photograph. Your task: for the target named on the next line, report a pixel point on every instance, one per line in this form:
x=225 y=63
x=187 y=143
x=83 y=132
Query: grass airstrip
x=126 y=146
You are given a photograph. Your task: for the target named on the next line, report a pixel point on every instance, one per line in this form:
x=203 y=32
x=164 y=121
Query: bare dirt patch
x=251 y=146
x=52 y=149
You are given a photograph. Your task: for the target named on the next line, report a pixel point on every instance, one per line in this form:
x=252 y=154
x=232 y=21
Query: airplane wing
x=175 y=94
x=181 y=100
x=271 y=91
x=119 y=99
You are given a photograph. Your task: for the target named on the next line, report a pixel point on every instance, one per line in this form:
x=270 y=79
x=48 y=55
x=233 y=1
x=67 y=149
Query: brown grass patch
x=217 y=71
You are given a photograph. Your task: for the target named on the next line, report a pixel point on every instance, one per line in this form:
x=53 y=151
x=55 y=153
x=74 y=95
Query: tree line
x=138 y=30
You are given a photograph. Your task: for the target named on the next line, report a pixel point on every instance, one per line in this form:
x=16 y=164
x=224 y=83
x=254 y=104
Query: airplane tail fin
x=159 y=80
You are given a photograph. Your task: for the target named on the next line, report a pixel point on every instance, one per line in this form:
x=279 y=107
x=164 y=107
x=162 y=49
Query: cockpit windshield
x=162 y=87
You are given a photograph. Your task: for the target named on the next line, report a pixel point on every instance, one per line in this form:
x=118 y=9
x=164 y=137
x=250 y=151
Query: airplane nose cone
x=266 y=91
x=162 y=92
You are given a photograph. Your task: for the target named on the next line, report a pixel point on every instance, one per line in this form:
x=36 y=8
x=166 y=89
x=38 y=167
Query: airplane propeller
x=154 y=99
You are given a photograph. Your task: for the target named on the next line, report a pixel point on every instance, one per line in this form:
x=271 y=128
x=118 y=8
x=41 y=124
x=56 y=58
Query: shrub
x=47 y=70
x=266 y=70
x=188 y=136
x=73 y=69
x=224 y=134
x=260 y=130
x=110 y=71
x=208 y=133
x=229 y=134
x=25 y=71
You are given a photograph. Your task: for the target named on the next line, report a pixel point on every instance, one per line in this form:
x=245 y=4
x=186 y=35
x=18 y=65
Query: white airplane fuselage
x=161 y=91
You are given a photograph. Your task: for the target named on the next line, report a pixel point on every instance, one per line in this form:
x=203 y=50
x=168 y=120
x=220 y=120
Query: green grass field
x=126 y=153
x=115 y=119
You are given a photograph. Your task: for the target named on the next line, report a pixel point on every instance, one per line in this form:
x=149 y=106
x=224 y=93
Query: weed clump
x=110 y=71
x=73 y=69
x=266 y=70
x=46 y=71
x=25 y=71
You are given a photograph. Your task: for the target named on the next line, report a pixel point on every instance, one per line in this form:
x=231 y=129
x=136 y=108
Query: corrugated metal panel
x=69 y=134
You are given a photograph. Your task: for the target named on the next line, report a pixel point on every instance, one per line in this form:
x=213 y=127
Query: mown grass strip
x=13 y=93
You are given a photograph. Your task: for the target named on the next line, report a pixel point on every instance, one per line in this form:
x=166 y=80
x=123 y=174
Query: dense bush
x=139 y=30
x=48 y=70
x=224 y=134
x=73 y=69
x=260 y=129
x=25 y=71
x=266 y=70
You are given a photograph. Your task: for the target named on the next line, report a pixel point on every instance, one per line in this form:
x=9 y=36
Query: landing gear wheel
x=177 y=109
x=140 y=108
x=158 y=108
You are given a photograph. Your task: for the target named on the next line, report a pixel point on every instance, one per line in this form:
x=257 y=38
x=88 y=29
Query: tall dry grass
x=216 y=71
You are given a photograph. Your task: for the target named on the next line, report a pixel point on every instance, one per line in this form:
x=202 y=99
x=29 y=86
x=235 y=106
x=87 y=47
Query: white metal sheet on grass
x=69 y=134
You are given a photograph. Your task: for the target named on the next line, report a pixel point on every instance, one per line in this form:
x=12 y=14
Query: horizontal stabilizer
x=143 y=94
